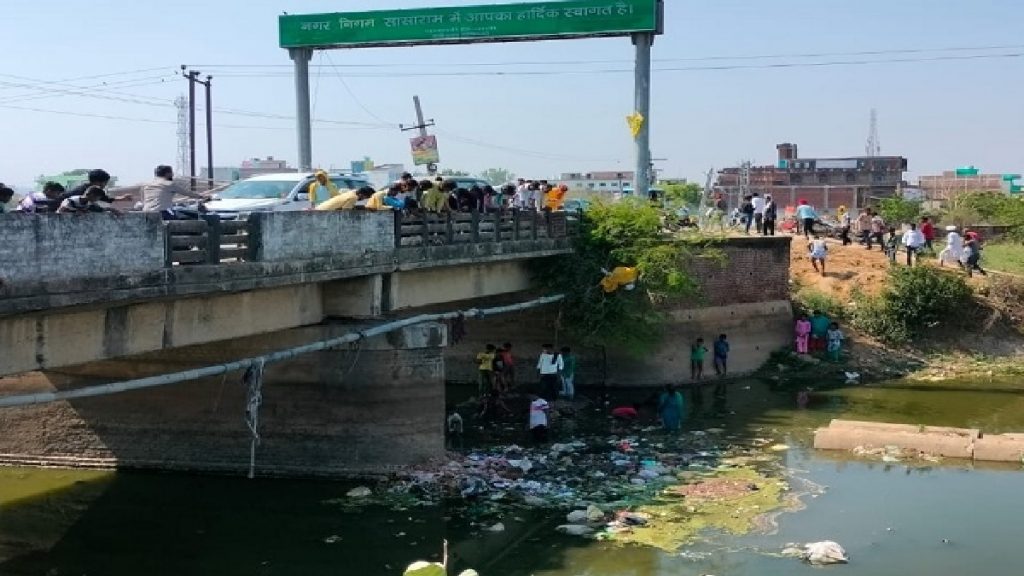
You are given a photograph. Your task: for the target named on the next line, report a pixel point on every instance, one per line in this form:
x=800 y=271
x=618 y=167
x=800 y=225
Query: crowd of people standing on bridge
x=440 y=195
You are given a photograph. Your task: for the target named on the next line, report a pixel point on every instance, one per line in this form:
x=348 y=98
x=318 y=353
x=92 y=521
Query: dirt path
x=846 y=267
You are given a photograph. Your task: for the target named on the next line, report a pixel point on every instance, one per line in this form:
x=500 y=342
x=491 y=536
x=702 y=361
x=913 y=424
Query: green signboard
x=465 y=24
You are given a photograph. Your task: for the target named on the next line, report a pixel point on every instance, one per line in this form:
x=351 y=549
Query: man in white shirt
x=158 y=195
x=913 y=240
x=954 y=248
x=549 y=365
x=758 y=203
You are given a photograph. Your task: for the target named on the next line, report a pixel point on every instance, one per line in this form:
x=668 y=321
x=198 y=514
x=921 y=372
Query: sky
x=95 y=88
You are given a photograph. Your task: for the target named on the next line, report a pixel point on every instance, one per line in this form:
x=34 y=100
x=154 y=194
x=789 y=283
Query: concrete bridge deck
x=84 y=288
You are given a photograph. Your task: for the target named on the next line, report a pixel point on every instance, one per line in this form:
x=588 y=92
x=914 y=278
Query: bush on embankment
x=914 y=300
x=626 y=233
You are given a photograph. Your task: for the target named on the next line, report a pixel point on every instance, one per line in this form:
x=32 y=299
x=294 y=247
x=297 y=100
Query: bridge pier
x=342 y=412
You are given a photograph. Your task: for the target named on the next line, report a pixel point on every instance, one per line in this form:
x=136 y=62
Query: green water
x=891 y=518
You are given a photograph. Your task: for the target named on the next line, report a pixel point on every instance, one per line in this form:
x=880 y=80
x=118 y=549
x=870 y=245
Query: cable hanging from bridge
x=254 y=367
x=279 y=356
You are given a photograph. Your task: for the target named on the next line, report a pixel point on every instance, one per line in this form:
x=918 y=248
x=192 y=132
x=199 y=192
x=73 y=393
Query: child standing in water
x=803 y=333
x=697 y=352
x=835 y=341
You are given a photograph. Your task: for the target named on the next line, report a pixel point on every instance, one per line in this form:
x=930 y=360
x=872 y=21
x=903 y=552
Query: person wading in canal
x=670 y=409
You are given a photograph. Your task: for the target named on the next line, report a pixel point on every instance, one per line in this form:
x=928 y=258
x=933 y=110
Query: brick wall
x=300 y=235
x=742 y=270
x=59 y=247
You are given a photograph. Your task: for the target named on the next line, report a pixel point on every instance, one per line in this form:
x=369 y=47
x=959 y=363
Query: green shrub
x=810 y=299
x=915 y=299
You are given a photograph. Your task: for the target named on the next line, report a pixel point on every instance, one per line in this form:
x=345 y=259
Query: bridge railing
x=450 y=228
x=208 y=240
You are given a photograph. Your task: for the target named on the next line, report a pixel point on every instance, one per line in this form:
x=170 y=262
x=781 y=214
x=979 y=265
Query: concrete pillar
x=340 y=412
x=360 y=297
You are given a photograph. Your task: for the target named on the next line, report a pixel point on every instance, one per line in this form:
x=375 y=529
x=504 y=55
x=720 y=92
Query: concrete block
x=948 y=445
x=1000 y=448
x=906 y=428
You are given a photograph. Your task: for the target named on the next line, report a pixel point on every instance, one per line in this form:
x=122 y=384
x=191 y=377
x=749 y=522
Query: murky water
x=898 y=519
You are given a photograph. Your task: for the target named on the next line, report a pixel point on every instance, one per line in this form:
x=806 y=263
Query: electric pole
x=422 y=126
x=193 y=78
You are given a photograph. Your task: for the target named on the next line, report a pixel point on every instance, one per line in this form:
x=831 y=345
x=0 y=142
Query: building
x=250 y=168
x=71 y=178
x=598 y=181
x=826 y=183
x=967 y=179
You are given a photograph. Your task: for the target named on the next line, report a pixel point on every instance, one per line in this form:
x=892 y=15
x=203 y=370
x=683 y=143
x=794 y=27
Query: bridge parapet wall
x=60 y=248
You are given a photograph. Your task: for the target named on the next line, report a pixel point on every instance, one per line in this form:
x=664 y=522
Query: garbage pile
x=613 y=471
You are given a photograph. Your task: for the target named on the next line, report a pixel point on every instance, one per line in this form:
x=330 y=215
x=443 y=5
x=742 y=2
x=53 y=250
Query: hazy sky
x=940 y=113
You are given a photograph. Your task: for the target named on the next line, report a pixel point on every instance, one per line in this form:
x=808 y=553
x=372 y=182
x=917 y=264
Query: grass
x=1004 y=258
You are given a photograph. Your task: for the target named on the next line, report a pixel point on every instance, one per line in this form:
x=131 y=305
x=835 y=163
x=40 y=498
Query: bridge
x=78 y=289
x=89 y=300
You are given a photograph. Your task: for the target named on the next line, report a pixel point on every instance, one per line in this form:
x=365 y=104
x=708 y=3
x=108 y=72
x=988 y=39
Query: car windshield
x=258 y=189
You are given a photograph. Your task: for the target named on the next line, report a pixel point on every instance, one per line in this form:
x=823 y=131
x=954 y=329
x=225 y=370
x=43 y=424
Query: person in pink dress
x=803 y=331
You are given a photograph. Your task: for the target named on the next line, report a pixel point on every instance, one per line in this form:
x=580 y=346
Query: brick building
x=942 y=187
x=825 y=183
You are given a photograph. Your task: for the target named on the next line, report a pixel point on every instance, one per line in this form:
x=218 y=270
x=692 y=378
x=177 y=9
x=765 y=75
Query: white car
x=282 y=192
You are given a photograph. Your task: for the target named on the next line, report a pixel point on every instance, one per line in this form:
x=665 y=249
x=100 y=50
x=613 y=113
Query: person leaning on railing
x=158 y=195
x=346 y=200
x=87 y=202
x=386 y=199
x=434 y=198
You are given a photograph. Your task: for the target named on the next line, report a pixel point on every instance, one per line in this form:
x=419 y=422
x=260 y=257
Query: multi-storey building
x=825 y=183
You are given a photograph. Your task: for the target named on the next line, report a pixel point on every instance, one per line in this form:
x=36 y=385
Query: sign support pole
x=301 y=57
x=642 y=181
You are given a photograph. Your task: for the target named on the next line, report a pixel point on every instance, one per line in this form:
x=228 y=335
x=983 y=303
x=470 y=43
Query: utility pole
x=209 y=133
x=422 y=126
x=193 y=78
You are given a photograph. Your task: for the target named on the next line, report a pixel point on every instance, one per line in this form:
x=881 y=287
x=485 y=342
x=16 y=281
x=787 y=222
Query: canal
x=903 y=518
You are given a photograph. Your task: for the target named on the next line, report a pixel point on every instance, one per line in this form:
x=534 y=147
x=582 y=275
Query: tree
x=497 y=176
x=457 y=173
x=897 y=210
x=627 y=233
x=683 y=194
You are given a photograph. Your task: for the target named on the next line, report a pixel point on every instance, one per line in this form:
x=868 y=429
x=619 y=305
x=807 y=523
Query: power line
x=353 y=94
x=631 y=71
x=618 y=61
x=157 y=121
x=92 y=76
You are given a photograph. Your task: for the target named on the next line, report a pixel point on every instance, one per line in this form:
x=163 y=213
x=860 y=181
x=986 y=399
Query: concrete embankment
x=968 y=443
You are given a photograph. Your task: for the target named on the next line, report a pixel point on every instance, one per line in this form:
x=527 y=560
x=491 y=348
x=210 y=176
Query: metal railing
x=208 y=240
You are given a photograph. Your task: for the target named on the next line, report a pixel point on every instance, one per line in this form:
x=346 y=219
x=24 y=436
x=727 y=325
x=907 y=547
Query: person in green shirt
x=697 y=353
x=819 y=330
x=568 y=373
x=434 y=199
